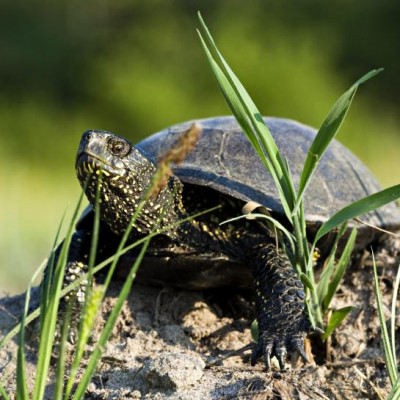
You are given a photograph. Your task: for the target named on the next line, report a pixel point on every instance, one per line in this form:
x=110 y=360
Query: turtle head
x=126 y=174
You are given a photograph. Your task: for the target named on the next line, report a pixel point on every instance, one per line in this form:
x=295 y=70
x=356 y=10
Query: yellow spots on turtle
x=316 y=256
x=106 y=198
x=204 y=228
x=106 y=173
x=116 y=177
x=238 y=235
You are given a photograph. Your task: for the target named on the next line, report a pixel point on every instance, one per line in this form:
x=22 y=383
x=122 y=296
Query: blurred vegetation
x=136 y=67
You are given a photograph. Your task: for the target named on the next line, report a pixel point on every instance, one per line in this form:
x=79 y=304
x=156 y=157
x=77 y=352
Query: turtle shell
x=225 y=160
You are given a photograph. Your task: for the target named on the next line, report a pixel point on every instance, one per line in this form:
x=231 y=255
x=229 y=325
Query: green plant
x=300 y=253
x=51 y=293
x=388 y=341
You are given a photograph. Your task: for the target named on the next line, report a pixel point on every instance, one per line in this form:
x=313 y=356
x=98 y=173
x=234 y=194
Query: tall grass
x=388 y=340
x=52 y=292
x=251 y=121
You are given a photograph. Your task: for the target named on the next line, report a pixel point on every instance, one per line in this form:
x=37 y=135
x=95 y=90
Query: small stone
x=136 y=394
x=174 y=370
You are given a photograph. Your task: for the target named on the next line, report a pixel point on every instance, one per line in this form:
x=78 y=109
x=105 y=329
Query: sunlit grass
x=388 y=339
x=321 y=292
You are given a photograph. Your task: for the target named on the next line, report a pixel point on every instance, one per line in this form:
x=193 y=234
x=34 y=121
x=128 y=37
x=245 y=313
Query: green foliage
x=50 y=296
x=388 y=343
x=336 y=276
x=335 y=320
x=252 y=123
x=359 y=207
x=326 y=133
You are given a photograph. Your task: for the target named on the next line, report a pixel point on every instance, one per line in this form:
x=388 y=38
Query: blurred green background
x=134 y=67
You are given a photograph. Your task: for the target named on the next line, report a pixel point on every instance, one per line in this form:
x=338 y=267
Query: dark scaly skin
x=283 y=323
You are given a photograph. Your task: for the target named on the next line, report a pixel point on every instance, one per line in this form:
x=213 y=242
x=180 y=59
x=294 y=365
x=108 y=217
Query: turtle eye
x=119 y=147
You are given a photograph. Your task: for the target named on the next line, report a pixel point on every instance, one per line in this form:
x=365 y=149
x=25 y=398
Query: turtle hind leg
x=280 y=306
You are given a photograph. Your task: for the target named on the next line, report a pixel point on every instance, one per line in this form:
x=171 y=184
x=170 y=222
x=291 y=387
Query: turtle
x=223 y=171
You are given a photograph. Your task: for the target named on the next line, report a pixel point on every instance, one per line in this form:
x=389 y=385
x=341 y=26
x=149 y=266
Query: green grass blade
x=311 y=314
x=275 y=222
x=86 y=325
x=323 y=282
x=336 y=319
x=3 y=393
x=389 y=357
x=46 y=282
x=326 y=133
x=248 y=117
x=99 y=294
x=17 y=328
x=394 y=394
x=50 y=318
x=307 y=282
x=359 y=207
x=22 y=388
x=87 y=314
x=326 y=275
x=393 y=314
x=60 y=370
x=85 y=379
x=33 y=315
x=342 y=264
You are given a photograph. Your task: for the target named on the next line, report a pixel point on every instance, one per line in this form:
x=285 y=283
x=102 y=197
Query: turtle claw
x=267 y=356
x=277 y=348
x=302 y=353
x=281 y=355
x=281 y=343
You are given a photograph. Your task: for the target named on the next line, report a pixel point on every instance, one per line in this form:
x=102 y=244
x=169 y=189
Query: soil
x=165 y=337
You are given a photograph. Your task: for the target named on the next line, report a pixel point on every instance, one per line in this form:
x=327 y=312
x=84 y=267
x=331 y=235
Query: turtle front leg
x=280 y=302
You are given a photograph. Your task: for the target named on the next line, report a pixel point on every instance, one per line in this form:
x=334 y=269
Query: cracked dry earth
x=164 y=336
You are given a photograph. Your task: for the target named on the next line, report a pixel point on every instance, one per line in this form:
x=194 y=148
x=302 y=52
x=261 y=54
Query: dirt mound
x=164 y=337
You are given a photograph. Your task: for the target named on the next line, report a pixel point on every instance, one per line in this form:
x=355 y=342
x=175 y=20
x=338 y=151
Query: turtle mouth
x=89 y=163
